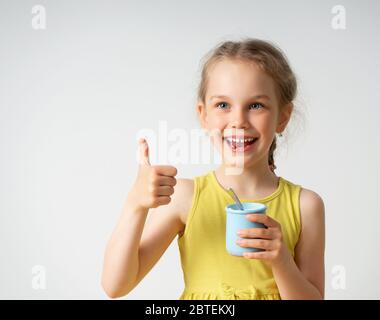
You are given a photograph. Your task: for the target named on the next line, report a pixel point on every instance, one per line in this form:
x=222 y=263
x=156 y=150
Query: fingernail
x=239 y=233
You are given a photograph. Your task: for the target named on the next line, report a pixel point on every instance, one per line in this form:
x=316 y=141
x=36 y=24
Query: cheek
x=215 y=127
x=264 y=123
x=216 y=123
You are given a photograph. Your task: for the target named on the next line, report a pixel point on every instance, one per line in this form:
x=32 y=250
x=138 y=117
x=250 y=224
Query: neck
x=254 y=181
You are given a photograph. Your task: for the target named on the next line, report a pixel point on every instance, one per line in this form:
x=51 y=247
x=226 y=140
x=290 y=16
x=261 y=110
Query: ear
x=284 y=117
x=202 y=113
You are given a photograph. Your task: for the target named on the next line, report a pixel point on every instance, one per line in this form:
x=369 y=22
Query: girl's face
x=241 y=96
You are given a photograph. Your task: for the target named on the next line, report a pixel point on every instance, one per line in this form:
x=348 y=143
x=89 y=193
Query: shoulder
x=182 y=197
x=184 y=188
x=310 y=200
x=175 y=212
x=311 y=205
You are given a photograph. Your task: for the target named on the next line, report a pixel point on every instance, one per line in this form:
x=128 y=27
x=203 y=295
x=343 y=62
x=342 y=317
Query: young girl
x=247 y=86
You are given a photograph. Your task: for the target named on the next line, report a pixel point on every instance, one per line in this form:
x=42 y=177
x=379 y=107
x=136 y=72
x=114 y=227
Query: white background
x=74 y=96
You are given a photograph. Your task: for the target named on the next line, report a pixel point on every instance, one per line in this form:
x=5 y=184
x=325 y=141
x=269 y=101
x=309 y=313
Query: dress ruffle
x=228 y=292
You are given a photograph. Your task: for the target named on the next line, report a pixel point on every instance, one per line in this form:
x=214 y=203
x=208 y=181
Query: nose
x=239 y=119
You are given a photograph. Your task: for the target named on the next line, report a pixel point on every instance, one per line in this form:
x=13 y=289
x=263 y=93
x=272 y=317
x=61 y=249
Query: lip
x=246 y=148
x=240 y=137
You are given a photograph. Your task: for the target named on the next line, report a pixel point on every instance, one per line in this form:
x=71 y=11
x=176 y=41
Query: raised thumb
x=144 y=152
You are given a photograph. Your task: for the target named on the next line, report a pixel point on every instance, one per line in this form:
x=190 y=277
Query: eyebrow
x=260 y=96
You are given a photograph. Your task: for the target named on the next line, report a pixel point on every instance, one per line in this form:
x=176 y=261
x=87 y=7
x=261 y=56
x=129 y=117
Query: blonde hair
x=268 y=57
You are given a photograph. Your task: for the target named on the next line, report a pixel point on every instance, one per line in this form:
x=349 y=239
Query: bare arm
x=121 y=263
x=137 y=243
x=132 y=250
x=162 y=226
x=304 y=277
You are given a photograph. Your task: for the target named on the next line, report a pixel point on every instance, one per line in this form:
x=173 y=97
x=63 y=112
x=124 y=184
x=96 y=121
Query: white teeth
x=239 y=140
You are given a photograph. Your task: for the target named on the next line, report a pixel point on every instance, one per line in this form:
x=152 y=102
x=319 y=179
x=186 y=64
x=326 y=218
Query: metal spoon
x=236 y=199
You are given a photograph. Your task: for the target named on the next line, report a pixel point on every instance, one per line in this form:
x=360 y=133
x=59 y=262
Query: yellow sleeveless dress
x=209 y=271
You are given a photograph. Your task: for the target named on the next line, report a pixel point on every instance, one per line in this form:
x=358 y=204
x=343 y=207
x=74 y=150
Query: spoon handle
x=236 y=199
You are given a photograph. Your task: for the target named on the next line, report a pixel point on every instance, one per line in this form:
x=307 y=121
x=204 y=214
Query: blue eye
x=257 y=104
x=221 y=104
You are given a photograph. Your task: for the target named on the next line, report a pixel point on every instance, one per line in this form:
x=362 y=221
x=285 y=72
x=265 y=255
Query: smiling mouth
x=240 y=144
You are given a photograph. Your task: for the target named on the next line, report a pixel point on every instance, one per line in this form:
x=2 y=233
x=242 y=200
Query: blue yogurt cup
x=236 y=220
